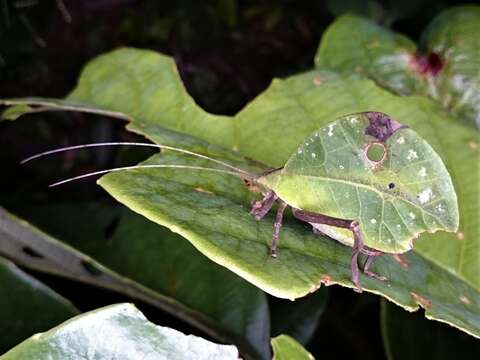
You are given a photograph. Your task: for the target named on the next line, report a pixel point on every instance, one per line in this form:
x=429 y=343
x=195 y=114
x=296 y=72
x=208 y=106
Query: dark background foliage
x=227 y=52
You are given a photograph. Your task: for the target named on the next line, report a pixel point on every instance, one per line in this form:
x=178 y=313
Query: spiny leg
x=261 y=208
x=367 y=264
x=276 y=228
x=353 y=225
x=357 y=249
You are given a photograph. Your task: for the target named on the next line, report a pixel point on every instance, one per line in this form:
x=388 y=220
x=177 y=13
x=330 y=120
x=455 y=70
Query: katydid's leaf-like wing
x=117 y=332
x=447 y=70
x=403 y=192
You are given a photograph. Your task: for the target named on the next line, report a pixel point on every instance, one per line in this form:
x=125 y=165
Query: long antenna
x=172 y=148
x=149 y=166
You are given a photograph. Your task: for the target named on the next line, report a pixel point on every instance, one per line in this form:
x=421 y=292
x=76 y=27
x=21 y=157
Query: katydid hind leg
x=366 y=267
x=357 y=249
x=352 y=225
x=277 y=227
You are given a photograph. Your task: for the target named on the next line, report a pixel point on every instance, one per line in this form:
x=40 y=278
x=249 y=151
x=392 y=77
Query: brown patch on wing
x=381 y=125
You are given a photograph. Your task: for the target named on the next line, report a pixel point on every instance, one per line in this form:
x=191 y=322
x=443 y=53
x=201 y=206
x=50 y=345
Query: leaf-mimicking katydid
x=364 y=180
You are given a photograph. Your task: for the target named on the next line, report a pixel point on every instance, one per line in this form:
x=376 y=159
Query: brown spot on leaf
x=202 y=190
x=381 y=125
x=373 y=45
x=472 y=145
x=423 y=301
x=429 y=65
x=317 y=80
x=327 y=280
x=460 y=235
x=465 y=300
x=398 y=258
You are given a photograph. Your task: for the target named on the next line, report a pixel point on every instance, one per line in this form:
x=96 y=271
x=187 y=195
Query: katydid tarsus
x=364 y=180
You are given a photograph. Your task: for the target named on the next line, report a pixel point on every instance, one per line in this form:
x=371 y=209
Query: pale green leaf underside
x=330 y=173
x=117 y=332
x=442 y=268
x=286 y=348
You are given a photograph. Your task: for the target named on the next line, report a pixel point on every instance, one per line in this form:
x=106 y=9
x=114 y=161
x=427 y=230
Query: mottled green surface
x=286 y=348
x=330 y=173
x=117 y=332
x=27 y=306
x=440 y=271
x=394 y=61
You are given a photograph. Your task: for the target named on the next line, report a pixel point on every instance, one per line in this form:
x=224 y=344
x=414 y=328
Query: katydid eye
x=391 y=186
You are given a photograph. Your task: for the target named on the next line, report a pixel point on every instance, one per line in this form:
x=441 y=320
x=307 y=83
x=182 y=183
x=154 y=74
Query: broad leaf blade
x=27 y=306
x=447 y=72
x=441 y=270
x=286 y=348
x=221 y=319
x=117 y=332
x=165 y=263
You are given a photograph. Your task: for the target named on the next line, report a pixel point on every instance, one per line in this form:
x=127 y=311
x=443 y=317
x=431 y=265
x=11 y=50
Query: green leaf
x=117 y=332
x=286 y=348
x=27 y=306
x=403 y=332
x=166 y=264
x=14 y=112
x=447 y=71
x=437 y=274
x=170 y=287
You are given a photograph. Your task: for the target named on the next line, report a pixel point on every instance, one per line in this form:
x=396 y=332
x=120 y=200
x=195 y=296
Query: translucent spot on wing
x=412 y=215
x=425 y=195
x=465 y=300
x=353 y=120
x=330 y=129
x=439 y=209
x=314 y=155
x=422 y=172
x=412 y=154
x=341 y=167
x=400 y=140
x=373 y=221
